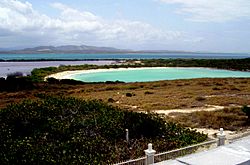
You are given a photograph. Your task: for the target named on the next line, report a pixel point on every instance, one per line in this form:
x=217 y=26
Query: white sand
x=190 y=110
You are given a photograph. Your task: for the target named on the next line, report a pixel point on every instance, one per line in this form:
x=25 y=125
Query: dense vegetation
x=12 y=83
x=61 y=130
x=246 y=110
x=232 y=64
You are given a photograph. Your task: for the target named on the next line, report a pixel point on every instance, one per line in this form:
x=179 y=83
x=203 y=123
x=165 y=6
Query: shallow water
x=155 y=74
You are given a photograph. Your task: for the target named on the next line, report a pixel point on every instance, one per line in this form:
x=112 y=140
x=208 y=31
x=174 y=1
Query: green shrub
x=148 y=93
x=71 y=82
x=15 y=74
x=71 y=131
x=129 y=94
x=52 y=80
x=246 y=110
x=13 y=83
x=216 y=88
x=111 y=100
x=199 y=98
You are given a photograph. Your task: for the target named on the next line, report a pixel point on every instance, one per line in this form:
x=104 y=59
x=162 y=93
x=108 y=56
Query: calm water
x=26 y=67
x=123 y=56
x=155 y=74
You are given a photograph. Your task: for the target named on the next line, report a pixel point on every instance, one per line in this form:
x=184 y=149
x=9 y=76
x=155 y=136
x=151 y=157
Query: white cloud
x=73 y=14
x=21 y=21
x=213 y=10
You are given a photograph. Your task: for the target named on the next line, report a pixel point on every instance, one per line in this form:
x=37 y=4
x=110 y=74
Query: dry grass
x=151 y=95
x=230 y=119
x=162 y=95
x=172 y=94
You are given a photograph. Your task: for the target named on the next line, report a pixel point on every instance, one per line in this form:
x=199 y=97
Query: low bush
x=71 y=82
x=15 y=74
x=114 y=82
x=199 y=98
x=246 y=110
x=16 y=84
x=71 y=131
x=52 y=80
x=111 y=100
x=130 y=94
x=148 y=93
x=216 y=88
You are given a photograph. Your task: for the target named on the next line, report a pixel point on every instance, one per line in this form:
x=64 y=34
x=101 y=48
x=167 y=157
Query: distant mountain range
x=79 y=49
x=65 y=49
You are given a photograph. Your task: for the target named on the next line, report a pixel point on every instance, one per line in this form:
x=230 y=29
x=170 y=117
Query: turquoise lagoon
x=154 y=74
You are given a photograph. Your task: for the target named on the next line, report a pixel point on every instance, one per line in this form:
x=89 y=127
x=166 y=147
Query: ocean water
x=123 y=56
x=155 y=74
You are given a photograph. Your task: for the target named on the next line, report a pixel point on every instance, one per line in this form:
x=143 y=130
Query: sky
x=189 y=25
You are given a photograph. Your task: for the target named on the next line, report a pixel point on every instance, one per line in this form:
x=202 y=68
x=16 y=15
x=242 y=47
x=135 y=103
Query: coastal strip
x=70 y=74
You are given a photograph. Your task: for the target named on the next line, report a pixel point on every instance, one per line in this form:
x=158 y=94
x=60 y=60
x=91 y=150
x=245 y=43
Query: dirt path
x=212 y=133
x=190 y=110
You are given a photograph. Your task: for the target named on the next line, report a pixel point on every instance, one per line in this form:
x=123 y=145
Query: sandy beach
x=173 y=73
x=70 y=74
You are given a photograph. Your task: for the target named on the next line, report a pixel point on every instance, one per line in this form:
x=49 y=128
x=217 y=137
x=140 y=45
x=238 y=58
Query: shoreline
x=26 y=67
x=70 y=74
